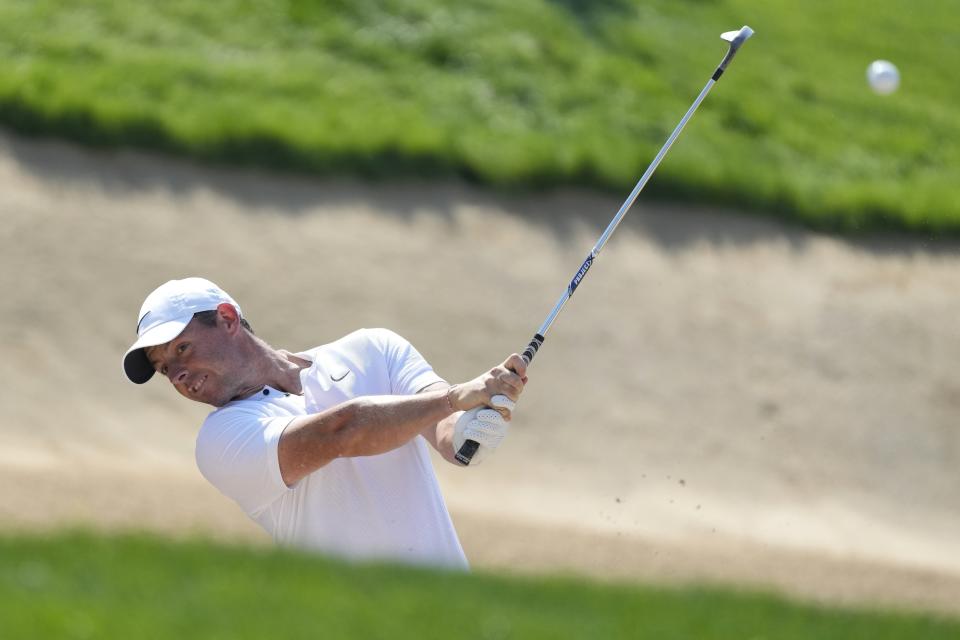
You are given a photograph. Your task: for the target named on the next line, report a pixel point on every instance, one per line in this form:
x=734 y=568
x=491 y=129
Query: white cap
x=165 y=314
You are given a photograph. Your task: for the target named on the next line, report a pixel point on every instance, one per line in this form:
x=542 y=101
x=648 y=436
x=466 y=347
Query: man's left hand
x=484 y=425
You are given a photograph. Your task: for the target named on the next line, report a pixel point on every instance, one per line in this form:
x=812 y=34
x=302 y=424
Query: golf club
x=736 y=39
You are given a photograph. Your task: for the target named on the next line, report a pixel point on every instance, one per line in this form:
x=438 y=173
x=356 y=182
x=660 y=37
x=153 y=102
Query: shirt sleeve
x=237 y=453
x=409 y=372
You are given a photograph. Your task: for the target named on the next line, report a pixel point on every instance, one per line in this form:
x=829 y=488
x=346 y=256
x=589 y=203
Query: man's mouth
x=196 y=387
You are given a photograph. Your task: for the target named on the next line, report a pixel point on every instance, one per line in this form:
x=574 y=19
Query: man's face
x=201 y=363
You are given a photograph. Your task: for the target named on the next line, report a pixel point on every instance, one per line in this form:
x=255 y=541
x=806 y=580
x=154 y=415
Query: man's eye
x=183 y=347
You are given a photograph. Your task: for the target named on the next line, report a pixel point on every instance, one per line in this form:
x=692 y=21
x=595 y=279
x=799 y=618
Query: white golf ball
x=883 y=77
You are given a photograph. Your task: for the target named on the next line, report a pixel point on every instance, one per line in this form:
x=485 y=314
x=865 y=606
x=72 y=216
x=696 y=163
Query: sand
x=727 y=399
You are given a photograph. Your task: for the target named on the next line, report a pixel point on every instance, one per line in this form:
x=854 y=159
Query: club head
x=735 y=38
x=738 y=36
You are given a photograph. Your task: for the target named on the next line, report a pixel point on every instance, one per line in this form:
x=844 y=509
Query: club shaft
x=736 y=39
x=598 y=247
x=469 y=447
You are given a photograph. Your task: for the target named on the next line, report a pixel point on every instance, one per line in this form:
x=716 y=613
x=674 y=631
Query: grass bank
x=77 y=585
x=516 y=93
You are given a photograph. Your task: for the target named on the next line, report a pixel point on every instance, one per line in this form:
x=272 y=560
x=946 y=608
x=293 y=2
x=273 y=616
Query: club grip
x=532 y=348
x=469 y=448
x=465 y=455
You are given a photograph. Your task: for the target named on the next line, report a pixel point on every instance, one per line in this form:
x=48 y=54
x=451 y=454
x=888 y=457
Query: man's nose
x=179 y=375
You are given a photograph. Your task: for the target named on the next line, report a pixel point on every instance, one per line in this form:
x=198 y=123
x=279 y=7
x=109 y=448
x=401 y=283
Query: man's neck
x=277 y=368
x=288 y=367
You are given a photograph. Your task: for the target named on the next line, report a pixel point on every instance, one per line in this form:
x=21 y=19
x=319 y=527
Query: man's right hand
x=506 y=379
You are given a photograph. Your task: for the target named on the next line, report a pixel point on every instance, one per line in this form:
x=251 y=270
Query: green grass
x=517 y=93
x=77 y=585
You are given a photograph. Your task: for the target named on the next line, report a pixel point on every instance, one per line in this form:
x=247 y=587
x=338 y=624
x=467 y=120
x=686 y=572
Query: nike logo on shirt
x=345 y=374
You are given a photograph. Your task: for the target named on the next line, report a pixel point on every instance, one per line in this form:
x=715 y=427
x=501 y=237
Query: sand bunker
x=725 y=399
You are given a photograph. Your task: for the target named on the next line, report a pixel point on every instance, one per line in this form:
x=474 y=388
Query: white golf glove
x=483 y=425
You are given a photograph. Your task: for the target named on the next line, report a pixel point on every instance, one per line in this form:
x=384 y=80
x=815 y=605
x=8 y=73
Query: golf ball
x=883 y=77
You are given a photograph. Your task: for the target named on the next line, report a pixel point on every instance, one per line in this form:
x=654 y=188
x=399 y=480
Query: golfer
x=325 y=448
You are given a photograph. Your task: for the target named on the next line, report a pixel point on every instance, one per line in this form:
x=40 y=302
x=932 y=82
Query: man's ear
x=227 y=317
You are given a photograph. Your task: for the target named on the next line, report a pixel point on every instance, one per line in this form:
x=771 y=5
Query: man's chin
x=213 y=399
x=218 y=401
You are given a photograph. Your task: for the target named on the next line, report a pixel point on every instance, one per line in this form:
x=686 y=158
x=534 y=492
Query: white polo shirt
x=387 y=506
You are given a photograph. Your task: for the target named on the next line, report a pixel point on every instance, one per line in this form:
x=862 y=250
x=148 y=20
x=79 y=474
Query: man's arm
x=371 y=425
x=362 y=426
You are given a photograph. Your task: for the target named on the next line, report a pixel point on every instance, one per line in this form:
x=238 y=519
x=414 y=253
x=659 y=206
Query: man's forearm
x=383 y=423
x=363 y=426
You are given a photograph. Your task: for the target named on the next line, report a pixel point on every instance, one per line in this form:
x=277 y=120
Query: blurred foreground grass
x=516 y=93
x=81 y=585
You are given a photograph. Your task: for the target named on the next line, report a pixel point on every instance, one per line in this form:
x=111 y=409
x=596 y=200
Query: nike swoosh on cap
x=142 y=319
x=345 y=374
